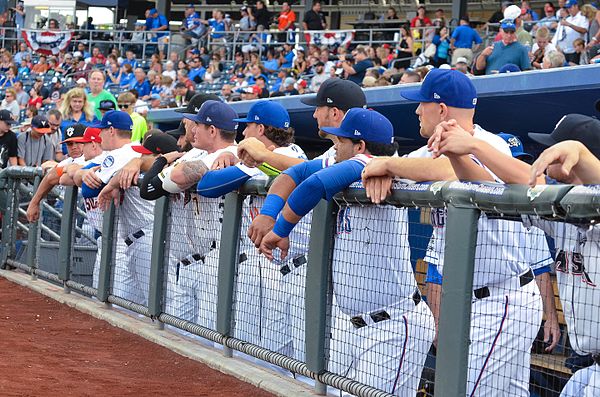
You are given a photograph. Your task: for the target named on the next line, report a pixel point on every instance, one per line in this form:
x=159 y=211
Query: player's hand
x=378 y=188
x=449 y=138
x=261 y=225
x=487 y=51
x=108 y=194
x=224 y=160
x=272 y=241
x=253 y=152
x=564 y=155
x=172 y=156
x=33 y=211
x=91 y=178
x=551 y=332
x=48 y=164
x=130 y=173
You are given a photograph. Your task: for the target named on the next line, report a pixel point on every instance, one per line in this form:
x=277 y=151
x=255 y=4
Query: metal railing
x=464 y=203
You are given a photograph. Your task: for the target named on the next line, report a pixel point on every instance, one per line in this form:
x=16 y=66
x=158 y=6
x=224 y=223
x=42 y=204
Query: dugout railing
x=464 y=203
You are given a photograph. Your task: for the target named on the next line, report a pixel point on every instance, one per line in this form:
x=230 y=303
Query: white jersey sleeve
x=115 y=160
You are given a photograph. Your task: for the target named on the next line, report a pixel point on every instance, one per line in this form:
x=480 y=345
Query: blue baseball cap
x=445 y=86
x=267 y=113
x=571 y=3
x=216 y=113
x=153 y=11
x=115 y=118
x=366 y=124
x=515 y=145
x=509 y=68
x=508 y=24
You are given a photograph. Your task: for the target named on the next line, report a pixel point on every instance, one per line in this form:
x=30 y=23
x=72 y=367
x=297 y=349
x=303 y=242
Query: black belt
x=195 y=257
x=382 y=315
x=596 y=358
x=524 y=279
x=297 y=261
x=136 y=235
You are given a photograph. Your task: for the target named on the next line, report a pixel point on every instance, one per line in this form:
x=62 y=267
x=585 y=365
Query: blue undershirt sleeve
x=433 y=276
x=301 y=171
x=217 y=183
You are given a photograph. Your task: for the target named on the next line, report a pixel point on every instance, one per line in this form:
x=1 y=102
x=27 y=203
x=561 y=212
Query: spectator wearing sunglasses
x=126 y=103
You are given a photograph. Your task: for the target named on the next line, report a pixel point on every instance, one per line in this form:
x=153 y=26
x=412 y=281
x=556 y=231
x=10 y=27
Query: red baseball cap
x=91 y=134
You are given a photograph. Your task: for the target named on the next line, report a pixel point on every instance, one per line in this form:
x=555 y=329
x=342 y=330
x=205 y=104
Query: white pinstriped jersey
x=94 y=214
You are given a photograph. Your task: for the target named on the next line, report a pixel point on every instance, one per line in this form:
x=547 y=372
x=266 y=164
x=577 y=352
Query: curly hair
x=280 y=136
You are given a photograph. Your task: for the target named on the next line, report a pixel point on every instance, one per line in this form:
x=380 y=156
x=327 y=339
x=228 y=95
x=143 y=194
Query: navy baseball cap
x=366 y=124
x=216 y=113
x=445 y=86
x=342 y=94
x=515 y=145
x=267 y=113
x=40 y=124
x=509 y=68
x=106 y=104
x=73 y=133
x=157 y=143
x=508 y=24
x=576 y=127
x=117 y=119
x=195 y=102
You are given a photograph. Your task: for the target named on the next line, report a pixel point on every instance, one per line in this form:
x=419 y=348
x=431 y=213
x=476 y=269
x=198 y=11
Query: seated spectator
x=193 y=27
x=271 y=65
x=300 y=65
x=261 y=82
x=356 y=72
x=41 y=66
x=114 y=74
x=300 y=86
x=541 y=46
x=34 y=147
x=167 y=87
x=197 y=70
x=580 y=49
x=10 y=103
x=409 y=76
x=527 y=11
x=390 y=14
x=9 y=79
x=239 y=65
x=83 y=51
x=508 y=50
x=140 y=106
x=240 y=80
x=24 y=69
x=256 y=71
x=35 y=99
x=23 y=51
x=180 y=92
x=57 y=90
x=182 y=77
x=154 y=102
x=66 y=65
x=141 y=83
x=250 y=92
x=156 y=85
x=289 y=87
x=21 y=96
x=170 y=70
x=462 y=65
x=319 y=77
x=106 y=105
x=286 y=57
x=82 y=83
x=97 y=57
x=227 y=93
x=127 y=76
x=553 y=59
x=130 y=59
x=257 y=41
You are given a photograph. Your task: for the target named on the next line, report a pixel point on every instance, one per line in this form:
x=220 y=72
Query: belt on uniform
x=195 y=257
x=524 y=279
x=297 y=262
x=136 y=235
x=596 y=358
x=381 y=315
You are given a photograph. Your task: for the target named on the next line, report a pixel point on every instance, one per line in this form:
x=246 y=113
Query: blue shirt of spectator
x=157 y=89
x=7 y=82
x=127 y=79
x=502 y=54
x=192 y=23
x=360 y=68
x=142 y=88
x=276 y=85
x=133 y=62
x=464 y=36
x=24 y=71
x=289 y=60
x=252 y=80
x=197 y=72
x=157 y=22
x=218 y=26
x=273 y=64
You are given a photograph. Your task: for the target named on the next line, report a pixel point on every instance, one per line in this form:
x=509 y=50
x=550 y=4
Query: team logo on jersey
x=70 y=131
x=343 y=220
x=108 y=162
x=535 y=192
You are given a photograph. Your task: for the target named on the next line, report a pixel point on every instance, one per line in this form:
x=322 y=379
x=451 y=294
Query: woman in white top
x=10 y=103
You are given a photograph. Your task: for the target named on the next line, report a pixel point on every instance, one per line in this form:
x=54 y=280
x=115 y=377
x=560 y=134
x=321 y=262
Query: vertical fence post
x=8 y=221
x=228 y=260
x=32 y=237
x=317 y=289
x=457 y=292
x=157 y=262
x=106 y=253
x=67 y=226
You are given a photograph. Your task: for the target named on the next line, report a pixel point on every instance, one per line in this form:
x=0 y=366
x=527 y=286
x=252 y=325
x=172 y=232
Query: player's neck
x=218 y=145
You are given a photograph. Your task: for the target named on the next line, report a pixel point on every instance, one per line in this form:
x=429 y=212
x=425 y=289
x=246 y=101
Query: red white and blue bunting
x=339 y=38
x=47 y=42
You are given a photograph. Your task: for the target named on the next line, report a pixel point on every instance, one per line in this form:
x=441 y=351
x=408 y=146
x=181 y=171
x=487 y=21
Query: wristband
x=59 y=171
x=272 y=206
x=282 y=227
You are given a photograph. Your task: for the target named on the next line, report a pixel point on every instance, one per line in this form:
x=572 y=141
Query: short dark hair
x=228 y=136
x=280 y=136
x=378 y=149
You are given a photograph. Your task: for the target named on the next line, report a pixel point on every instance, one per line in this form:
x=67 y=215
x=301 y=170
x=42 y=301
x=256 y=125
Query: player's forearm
x=421 y=169
x=547 y=293
x=45 y=186
x=186 y=174
x=481 y=62
x=280 y=161
x=587 y=169
x=146 y=161
x=509 y=169
x=467 y=170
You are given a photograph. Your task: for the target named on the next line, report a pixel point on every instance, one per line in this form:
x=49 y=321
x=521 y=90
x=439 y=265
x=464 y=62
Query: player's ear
x=443 y=111
x=360 y=147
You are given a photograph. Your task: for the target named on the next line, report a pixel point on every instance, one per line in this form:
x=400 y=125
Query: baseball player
x=385 y=341
x=275 y=288
x=507 y=308
x=52 y=177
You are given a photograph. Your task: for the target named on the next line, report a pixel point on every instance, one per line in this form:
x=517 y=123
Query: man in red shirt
x=420 y=15
x=285 y=21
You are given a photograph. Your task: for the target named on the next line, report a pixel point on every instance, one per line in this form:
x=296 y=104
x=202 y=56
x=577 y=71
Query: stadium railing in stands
x=294 y=313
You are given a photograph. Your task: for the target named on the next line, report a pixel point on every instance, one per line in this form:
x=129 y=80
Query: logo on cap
x=286 y=124
x=356 y=132
x=474 y=101
x=513 y=142
x=256 y=118
x=196 y=109
x=436 y=96
x=208 y=119
x=70 y=131
x=329 y=100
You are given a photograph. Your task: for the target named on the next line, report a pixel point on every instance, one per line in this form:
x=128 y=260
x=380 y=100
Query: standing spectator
x=526 y=10
x=41 y=66
x=54 y=120
x=356 y=72
x=315 y=19
x=285 y=21
x=88 y=24
x=130 y=59
x=508 y=50
x=192 y=27
x=141 y=84
x=19 y=16
x=8 y=141
x=247 y=24
x=34 y=146
x=10 y=103
x=83 y=51
x=319 y=77
x=217 y=27
x=261 y=15
x=440 y=19
x=574 y=26
x=421 y=11
x=499 y=14
x=159 y=24
x=464 y=41
x=550 y=20
x=442 y=41
x=404 y=52
x=97 y=93
x=21 y=96
x=75 y=108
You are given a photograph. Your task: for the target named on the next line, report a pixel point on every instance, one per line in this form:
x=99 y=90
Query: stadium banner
x=338 y=38
x=47 y=42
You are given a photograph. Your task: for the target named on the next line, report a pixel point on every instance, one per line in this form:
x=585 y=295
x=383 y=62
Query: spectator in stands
x=141 y=84
x=422 y=17
x=19 y=16
x=315 y=19
x=23 y=50
x=319 y=77
x=97 y=57
x=41 y=66
x=182 y=77
x=197 y=70
x=508 y=50
x=282 y=74
x=549 y=21
x=289 y=87
x=250 y=92
x=286 y=21
x=574 y=26
x=81 y=68
x=8 y=140
x=10 y=78
x=255 y=71
x=34 y=146
x=246 y=24
x=159 y=24
x=21 y=96
x=300 y=65
x=180 y=92
x=154 y=101
x=54 y=120
x=83 y=51
x=553 y=59
x=465 y=40
x=441 y=40
x=286 y=57
x=499 y=15
x=114 y=74
x=440 y=19
x=404 y=51
x=523 y=36
x=57 y=90
x=462 y=65
x=24 y=68
x=541 y=46
x=170 y=70
x=10 y=103
x=271 y=64
x=53 y=24
x=579 y=45
x=217 y=27
x=65 y=64
x=227 y=93
x=89 y=24
x=193 y=27
x=527 y=11
x=97 y=93
x=127 y=76
x=410 y=76
x=75 y=108
x=105 y=106
x=324 y=57
x=356 y=72
x=261 y=15
x=592 y=14
x=35 y=99
x=130 y=59
x=301 y=86
x=390 y=14
x=261 y=82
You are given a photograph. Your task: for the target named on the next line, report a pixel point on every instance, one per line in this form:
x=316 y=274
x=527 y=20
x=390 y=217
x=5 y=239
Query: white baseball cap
x=512 y=12
x=81 y=80
x=462 y=60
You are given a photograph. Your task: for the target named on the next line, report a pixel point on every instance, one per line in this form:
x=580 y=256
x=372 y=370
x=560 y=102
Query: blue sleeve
x=301 y=171
x=86 y=191
x=217 y=183
x=163 y=21
x=433 y=276
x=436 y=40
x=324 y=184
x=541 y=270
x=455 y=33
x=525 y=62
x=476 y=37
